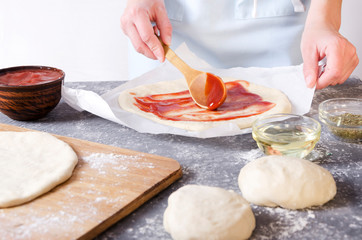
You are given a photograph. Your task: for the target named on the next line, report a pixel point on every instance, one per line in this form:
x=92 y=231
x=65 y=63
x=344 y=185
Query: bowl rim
x=338 y=99
x=284 y=115
x=316 y=122
x=16 y=68
x=324 y=114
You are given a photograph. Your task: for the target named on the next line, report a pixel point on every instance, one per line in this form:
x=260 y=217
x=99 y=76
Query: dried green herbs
x=343 y=121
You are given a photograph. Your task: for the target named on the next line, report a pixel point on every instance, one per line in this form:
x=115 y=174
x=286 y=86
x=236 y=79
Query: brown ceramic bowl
x=30 y=101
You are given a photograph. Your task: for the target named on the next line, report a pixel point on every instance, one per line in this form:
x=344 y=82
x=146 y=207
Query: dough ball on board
x=288 y=182
x=32 y=163
x=202 y=212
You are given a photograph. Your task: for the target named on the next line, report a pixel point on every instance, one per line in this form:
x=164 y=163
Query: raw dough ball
x=287 y=182
x=32 y=163
x=201 y=212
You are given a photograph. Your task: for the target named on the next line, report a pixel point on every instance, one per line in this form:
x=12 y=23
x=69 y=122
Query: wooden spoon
x=207 y=90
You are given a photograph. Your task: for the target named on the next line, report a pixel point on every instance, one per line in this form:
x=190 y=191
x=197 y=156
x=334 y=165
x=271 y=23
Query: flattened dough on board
x=31 y=164
x=127 y=102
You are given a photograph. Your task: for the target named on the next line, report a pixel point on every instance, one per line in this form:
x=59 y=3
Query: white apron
x=234 y=33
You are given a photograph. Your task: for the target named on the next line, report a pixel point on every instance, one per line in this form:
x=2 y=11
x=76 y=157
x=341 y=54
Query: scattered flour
x=252 y=154
x=287 y=222
x=100 y=199
x=118 y=162
x=70 y=215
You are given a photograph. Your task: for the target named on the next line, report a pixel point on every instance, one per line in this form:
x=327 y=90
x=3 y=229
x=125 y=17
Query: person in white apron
x=243 y=33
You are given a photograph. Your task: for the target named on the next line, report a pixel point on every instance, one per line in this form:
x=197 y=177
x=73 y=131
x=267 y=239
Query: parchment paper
x=287 y=79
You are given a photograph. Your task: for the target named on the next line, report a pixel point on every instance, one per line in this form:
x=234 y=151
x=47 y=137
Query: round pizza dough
x=288 y=182
x=127 y=102
x=202 y=212
x=32 y=163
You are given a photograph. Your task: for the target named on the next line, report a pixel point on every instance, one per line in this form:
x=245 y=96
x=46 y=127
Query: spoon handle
x=184 y=68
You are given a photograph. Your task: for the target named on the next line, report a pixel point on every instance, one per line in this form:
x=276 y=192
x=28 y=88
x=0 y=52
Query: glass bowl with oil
x=343 y=118
x=286 y=134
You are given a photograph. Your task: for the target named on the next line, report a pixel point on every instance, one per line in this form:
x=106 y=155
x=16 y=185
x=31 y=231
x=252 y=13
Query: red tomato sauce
x=29 y=77
x=213 y=91
x=179 y=106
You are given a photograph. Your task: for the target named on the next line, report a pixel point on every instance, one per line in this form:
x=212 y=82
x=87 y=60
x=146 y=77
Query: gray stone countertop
x=217 y=162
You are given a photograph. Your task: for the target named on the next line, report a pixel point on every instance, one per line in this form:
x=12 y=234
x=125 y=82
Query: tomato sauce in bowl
x=29 y=92
x=26 y=77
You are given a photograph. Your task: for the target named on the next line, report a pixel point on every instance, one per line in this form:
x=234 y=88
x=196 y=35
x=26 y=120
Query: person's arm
x=321 y=38
x=136 y=23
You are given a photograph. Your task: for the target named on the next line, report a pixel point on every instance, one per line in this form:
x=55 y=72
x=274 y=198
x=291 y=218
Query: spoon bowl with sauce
x=29 y=92
x=207 y=90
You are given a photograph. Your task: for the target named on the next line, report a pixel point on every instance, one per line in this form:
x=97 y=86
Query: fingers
x=351 y=65
x=341 y=61
x=137 y=21
x=138 y=43
x=164 y=26
x=148 y=37
x=319 y=41
x=333 y=70
x=310 y=67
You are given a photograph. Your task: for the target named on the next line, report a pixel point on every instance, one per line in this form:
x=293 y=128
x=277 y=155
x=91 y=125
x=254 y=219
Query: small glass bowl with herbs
x=343 y=117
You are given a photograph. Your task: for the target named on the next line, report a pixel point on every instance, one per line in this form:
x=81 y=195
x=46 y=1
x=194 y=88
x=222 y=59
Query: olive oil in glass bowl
x=286 y=134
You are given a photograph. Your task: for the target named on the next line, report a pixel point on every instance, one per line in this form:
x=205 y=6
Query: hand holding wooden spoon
x=207 y=90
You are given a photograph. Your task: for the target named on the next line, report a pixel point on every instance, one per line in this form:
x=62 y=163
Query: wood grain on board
x=107 y=184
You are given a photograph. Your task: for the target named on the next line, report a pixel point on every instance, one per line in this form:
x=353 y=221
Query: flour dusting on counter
x=118 y=162
x=101 y=184
x=99 y=160
x=284 y=222
x=251 y=155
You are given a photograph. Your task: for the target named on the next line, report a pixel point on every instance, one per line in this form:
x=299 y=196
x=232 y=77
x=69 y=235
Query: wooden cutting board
x=107 y=184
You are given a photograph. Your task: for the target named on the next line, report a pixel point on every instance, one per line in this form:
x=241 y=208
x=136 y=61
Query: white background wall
x=81 y=37
x=352 y=28
x=44 y=32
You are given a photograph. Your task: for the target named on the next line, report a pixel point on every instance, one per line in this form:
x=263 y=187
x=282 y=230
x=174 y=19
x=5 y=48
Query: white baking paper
x=288 y=79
